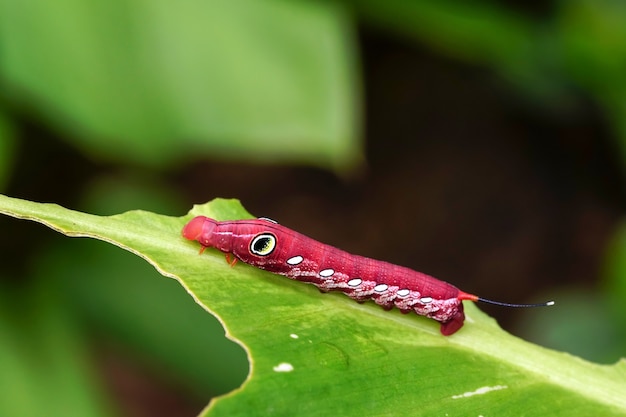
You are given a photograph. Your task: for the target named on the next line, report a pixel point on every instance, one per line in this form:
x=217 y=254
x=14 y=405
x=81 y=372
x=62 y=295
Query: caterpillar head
x=200 y=228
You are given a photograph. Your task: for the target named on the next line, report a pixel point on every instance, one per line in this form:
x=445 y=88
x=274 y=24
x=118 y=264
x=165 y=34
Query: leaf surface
x=314 y=354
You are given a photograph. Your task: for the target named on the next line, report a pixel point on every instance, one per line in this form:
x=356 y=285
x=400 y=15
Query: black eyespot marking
x=263 y=244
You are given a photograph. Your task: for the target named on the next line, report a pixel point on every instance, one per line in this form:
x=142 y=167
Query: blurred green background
x=482 y=144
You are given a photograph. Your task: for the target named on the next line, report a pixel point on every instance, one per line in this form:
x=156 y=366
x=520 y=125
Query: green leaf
x=261 y=80
x=314 y=354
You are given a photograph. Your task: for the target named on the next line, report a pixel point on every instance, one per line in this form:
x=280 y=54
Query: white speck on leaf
x=479 y=391
x=283 y=367
x=293 y=336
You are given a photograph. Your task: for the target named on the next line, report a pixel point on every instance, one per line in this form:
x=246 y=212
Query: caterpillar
x=267 y=245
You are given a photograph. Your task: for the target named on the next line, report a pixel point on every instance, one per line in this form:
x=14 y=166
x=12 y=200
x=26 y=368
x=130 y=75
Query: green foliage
x=273 y=80
x=315 y=354
x=268 y=80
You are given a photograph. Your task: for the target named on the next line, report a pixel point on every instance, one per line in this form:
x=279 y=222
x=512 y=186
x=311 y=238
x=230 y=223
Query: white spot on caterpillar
x=295 y=260
x=479 y=391
x=381 y=287
x=403 y=293
x=426 y=300
x=283 y=367
x=294 y=336
x=355 y=282
x=327 y=272
x=267 y=219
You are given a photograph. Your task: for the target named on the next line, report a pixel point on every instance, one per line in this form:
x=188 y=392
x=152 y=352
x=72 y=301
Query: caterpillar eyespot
x=267 y=245
x=263 y=244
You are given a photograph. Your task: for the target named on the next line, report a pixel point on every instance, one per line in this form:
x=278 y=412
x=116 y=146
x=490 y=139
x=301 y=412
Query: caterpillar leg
x=230 y=259
x=454 y=324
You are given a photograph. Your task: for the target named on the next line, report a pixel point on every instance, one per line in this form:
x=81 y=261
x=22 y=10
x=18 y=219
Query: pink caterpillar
x=267 y=245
